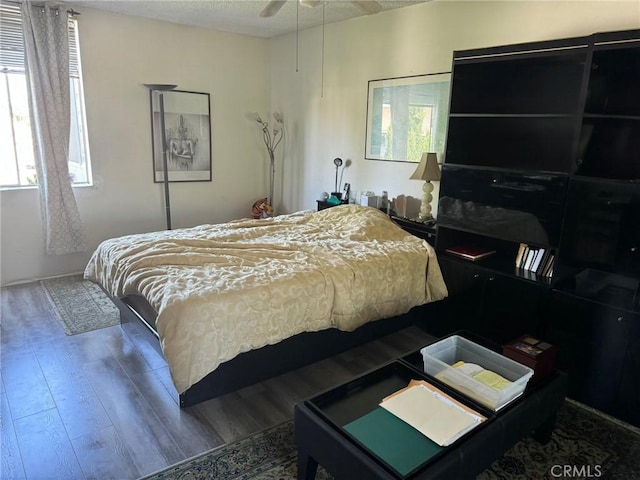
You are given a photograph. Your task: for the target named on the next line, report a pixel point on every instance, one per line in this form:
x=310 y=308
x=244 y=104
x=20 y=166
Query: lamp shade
x=428 y=168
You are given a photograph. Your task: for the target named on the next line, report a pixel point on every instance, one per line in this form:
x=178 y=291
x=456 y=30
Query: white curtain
x=47 y=70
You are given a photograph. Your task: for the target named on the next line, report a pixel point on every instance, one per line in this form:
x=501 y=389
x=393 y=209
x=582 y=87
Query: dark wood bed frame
x=269 y=361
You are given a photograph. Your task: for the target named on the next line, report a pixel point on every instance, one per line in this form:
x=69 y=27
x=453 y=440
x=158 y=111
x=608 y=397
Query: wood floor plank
x=46 y=450
x=11 y=466
x=14 y=334
x=26 y=387
x=128 y=354
x=149 y=444
x=264 y=405
x=103 y=455
x=184 y=425
x=164 y=376
x=258 y=399
x=227 y=415
x=90 y=346
x=147 y=345
x=408 y=340
x=41 y=321
x=291 y=387
x=267 y=409
x=78 y=405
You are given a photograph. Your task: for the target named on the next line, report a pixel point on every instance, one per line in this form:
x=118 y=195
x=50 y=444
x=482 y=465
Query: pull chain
x=297 y=32
x=322 y=63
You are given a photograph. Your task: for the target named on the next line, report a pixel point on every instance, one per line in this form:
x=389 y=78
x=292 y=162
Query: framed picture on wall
x=407 y=116
x=187 y=126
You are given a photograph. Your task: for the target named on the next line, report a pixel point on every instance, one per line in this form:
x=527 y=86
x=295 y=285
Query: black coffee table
x=321 y=438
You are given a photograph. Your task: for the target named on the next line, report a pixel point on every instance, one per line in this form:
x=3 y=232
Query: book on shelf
x=543 y=262
x=470 y=252
x=535 y=260
x=530 y=257
x=521 y=250
x=548 y=270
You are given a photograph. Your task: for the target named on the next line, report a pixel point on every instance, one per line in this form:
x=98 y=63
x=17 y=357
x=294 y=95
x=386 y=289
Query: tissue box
x=369 y=200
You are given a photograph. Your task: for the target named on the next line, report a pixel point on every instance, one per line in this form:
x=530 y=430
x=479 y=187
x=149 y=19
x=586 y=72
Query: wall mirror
x=407 y=116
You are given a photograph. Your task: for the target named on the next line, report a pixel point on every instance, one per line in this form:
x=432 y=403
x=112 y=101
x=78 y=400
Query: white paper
x=432 y=414
x=469 y=369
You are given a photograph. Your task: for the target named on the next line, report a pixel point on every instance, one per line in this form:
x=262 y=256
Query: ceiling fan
x=369 y=7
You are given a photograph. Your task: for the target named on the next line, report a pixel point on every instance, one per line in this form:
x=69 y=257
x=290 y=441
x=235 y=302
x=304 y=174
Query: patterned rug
x=584 y=444
x=80 y=305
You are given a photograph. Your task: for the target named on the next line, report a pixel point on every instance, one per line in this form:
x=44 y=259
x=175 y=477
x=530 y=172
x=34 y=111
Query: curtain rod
x=71 y=11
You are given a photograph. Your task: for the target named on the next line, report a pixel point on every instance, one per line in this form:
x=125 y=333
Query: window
x=17 y=165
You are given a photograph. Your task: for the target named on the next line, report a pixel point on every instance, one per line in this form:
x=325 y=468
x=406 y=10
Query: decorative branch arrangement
x=272 y=139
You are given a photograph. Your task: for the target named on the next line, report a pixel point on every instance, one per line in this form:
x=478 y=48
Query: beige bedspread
x=224 y=289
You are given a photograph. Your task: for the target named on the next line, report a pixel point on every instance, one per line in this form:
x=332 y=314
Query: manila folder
x=432 y=414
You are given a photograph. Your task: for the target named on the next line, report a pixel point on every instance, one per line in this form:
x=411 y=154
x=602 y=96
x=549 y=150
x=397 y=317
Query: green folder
x=395 y=442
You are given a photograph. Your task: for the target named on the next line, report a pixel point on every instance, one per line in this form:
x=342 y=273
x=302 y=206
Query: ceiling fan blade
x=369 y=7
x=272 y=8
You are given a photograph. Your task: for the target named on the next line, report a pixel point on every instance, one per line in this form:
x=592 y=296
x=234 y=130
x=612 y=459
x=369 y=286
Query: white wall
x=120 y=53
x=414 y=40
x=324 y=119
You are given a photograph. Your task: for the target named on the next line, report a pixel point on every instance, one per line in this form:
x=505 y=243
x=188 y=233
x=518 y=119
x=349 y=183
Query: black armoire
x=543 y=149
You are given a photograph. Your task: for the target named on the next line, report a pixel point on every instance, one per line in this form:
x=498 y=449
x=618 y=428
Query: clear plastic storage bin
x=440 y=356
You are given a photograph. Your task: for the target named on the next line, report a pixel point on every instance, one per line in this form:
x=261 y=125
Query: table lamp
x=427 y=171
x=338 y=163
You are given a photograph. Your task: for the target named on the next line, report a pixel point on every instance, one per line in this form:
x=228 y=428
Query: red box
x=534 y=353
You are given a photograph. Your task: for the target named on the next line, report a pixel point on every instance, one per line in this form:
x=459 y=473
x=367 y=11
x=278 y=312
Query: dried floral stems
x=272 y=139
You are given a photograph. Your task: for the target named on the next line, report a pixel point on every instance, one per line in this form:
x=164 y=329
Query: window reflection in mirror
x=407 y=116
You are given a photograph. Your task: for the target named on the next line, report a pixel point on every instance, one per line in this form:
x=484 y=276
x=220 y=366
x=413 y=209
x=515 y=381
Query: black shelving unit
x=610 y=136
x=517 y=106
x=543 y=148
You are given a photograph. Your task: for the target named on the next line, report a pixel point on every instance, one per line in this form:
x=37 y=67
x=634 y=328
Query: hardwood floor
x=101 y=404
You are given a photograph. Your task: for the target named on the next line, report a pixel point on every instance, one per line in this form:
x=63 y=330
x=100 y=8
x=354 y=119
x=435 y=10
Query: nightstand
x=322 y=204
x=427 y=231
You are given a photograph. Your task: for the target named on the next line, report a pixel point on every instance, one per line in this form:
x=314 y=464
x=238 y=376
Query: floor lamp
x=160 y=89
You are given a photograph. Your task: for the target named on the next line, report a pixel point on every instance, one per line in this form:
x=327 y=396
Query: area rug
x=584 y=444
x=80 y=305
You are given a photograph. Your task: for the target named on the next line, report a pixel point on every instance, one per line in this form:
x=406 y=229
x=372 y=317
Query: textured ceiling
x=238 y=16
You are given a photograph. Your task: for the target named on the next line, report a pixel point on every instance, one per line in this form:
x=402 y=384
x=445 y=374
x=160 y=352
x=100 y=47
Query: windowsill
x=18 y=187
x=35 y=187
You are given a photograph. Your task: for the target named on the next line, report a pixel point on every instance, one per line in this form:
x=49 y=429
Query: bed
x=234 y=303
